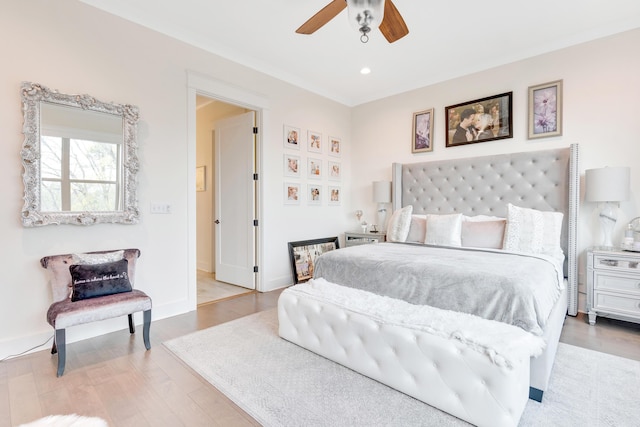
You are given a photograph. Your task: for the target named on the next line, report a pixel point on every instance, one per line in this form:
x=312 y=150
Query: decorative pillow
x=96 y=280
x=481 y=218
x=99 y=258
x=483 y=234
x=417 y=229
x=444 y=230
x=533 y=231
x=398 y=228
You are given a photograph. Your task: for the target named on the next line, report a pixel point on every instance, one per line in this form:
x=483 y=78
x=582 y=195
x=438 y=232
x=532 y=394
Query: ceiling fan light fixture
x=365 y=15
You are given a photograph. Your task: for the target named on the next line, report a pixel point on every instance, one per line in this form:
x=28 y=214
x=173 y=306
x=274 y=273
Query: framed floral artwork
x=481 y=120
x=422 y=131
x=545 y=110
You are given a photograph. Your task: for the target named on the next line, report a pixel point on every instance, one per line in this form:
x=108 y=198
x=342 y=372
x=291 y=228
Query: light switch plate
x=160 y=208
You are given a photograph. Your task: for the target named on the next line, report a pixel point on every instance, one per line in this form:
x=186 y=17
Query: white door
x=235 y=200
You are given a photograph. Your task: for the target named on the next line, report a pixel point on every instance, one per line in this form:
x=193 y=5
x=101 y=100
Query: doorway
x=218 y=125
x=204 y=85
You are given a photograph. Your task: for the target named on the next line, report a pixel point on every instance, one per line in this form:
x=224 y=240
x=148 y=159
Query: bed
x=484 y=190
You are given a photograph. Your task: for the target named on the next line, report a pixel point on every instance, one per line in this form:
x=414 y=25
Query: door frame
x=201 y=84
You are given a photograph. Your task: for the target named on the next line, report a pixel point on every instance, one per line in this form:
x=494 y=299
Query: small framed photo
x=422 y=131
x=481 y=120
x=545 y=110
x=335 y=146
x=314 y=168
x=291 y=137
x=335 y=171
x=314 y=142
x=291 y=193
x=303 y=255
x=334 y=195
x=291 y=165
x=201 y=183
x=314 y=194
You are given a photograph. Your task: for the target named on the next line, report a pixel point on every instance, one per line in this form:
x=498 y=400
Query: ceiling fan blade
x=393 y=27
x=325 y=15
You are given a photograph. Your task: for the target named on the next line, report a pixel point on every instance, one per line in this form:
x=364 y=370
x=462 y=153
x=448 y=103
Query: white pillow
x=483 y=234
x=481 y=218
x=399 y=223
x=533 y=231
x=444 y=230
x=417 y=229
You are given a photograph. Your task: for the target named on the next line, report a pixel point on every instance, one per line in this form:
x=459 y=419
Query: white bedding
x=514 y=288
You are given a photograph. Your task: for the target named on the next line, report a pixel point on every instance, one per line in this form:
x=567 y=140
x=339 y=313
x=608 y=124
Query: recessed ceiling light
x=365 y=70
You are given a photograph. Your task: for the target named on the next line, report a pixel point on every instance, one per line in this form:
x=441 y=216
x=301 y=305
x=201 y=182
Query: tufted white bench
x=472 y=368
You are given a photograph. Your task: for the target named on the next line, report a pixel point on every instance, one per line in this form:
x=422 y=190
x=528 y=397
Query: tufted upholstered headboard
x=545 y=180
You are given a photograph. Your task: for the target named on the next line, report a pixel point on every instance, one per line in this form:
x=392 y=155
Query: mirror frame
x=33 y=94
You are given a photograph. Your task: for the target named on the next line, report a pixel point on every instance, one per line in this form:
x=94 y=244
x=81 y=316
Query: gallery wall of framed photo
x=312 y=167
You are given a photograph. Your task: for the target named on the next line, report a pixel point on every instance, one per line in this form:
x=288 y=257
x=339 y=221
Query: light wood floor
x=211 y=290
x=114 y=378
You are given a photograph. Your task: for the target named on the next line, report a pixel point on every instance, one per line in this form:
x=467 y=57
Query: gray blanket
x=512 y=288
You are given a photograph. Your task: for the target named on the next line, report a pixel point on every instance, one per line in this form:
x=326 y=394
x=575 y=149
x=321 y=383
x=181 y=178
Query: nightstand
x=356 y=238
x=613 y=284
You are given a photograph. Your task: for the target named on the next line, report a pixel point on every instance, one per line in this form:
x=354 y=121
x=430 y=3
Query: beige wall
x=77 y=49
x=601 y=92
x=74 y=48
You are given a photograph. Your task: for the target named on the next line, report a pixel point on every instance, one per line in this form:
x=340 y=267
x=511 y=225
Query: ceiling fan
x=362 y=14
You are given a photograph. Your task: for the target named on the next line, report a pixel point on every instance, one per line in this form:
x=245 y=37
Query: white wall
x=75 y=48
x=601 y=93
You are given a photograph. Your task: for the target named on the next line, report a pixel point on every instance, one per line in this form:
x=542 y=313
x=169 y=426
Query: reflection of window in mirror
x=80 y=157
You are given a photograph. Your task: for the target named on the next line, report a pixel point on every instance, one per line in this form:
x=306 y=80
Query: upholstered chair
x=93 y=286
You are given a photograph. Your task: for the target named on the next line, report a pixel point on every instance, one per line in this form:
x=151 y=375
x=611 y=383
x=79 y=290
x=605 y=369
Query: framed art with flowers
x=545 y=110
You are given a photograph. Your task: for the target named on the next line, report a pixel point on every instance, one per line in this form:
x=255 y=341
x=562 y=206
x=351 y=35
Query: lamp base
x=608 y=216
x=382 y=217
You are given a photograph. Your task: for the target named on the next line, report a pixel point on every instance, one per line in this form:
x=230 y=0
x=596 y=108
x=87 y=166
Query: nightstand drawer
x=617 y=263
x=353 y=239
x=613 y=282
x=616 y=303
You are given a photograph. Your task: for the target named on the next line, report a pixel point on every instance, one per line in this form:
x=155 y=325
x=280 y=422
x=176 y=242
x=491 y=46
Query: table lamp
x=382 y=196
x=608 y=186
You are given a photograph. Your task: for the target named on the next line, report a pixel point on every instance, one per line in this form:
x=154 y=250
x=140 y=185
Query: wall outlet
x=160 y=208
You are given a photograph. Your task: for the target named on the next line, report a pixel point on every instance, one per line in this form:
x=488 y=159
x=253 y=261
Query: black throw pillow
x=90 y=281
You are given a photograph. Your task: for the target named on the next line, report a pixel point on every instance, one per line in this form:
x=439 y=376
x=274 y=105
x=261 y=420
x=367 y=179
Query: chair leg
x=60 y=343
x=145 y=329
x=132 y=326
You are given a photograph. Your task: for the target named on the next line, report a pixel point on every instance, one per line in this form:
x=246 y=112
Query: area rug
x=281 y=384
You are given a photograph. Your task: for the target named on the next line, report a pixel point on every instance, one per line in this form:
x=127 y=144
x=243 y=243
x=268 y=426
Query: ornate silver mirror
x=80 y=159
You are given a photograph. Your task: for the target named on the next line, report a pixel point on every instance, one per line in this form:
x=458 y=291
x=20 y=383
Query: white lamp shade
x=610 y=184
x=382 y=191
